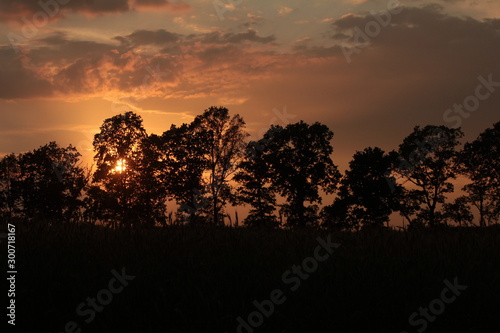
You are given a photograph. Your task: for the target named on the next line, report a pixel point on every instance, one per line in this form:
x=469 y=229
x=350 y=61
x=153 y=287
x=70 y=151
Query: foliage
x=223 y=149
x=124 y=183
x=480 y=162
x=428 y=162
x=10 y=196
x=198 y=165
x=181 y=164
x=458 y=212
x=300 y=164
x=44 y=184
x=255 y=188
x=365 y=197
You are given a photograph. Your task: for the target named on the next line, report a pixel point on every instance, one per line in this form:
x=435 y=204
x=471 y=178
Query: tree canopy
x=300 y=164
x=480 y=162
x=364 y=199
x=121 y=186
x=44 y=184
x=204 y=165
x=428 y=162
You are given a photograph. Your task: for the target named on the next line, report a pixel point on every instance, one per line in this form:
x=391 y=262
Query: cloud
x=419 y=65
x=416 y=68
x=250 y=35
x=17 y=79
x=254 y=20
x=427 y=36
x=143 y=64
x=283 y=11
x=14 y=10
x=148 y=37
x=176 y=6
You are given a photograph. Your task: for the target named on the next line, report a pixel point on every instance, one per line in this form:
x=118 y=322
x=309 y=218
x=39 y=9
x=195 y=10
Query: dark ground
x=203 y=279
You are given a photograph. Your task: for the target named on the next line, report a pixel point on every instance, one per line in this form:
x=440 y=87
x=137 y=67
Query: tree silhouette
x=181 y=166
x=365 y=189
x=45 y=184
x=122 y=187
x=340 y=215
x=149 y=204
x=409 y=206
x=255 y=188
x=300 y=164
x=458 y=212
x=197 y=165
x=428 y=161
x=10 y=196
x=480 y=162
x=224 y=147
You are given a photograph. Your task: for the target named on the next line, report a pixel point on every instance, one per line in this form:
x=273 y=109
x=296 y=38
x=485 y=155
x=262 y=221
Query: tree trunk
x=215 y=212
x=481 y=212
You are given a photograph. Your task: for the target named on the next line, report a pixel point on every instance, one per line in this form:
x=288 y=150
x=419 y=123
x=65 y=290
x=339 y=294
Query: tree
x=300 y=165
x=181 y=165
x=124 y=183
x=224 y=146
x=480 y=162
x=340 y=215
x=428 y=162
x=364 y=187
x=255 y=187
x=409 y=206
x=458 y=212
x=150 y=200
x=10 y=197
x=44 y=184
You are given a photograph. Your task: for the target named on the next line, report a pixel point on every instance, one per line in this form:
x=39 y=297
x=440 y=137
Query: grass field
x=203 y=279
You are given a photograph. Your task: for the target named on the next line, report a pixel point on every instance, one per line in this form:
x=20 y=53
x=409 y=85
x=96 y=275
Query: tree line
x=205 y=165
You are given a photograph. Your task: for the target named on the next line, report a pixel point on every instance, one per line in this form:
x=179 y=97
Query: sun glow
x=120 y=166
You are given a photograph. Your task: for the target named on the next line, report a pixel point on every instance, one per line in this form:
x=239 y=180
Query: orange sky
x=66 y=66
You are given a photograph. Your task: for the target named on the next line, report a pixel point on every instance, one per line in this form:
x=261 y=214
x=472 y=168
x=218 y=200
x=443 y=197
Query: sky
x=370 y=70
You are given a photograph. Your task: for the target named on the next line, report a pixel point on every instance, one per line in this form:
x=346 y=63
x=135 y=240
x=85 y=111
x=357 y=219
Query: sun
x=120 y=166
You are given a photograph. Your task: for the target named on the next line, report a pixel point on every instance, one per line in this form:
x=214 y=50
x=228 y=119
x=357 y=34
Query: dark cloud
x=212 y=55
x=152 y=2
x=423 y=37
x=319 y=51
x=53 y=9
x=250 y=35
x=18 y=81
x=176 y=6
x=148 y=37
x=416 y=68
x=61 y=51
x=414 y=39
x=162 y=37
x=348 y=21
